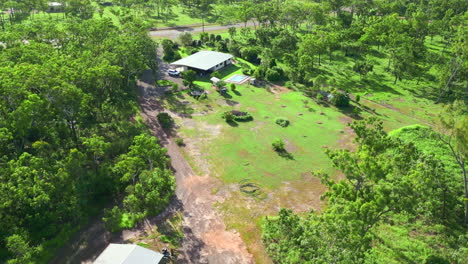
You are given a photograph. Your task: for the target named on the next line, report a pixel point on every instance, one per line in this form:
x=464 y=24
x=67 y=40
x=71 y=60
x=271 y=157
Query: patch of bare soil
x=302 y=195
x=195 y=147
x=347 y=136
x=276 y=89
x=195 y=197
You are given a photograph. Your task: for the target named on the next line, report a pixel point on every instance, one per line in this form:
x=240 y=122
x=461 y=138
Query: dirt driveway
x=206 y=239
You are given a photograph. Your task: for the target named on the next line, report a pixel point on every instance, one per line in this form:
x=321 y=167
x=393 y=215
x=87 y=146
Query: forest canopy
x=71 y=138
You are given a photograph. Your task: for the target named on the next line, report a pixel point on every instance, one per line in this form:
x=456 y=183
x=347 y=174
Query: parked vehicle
x=173 y=73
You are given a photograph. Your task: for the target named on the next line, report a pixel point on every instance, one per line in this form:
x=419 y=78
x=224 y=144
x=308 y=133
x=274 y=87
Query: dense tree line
x=71 y=139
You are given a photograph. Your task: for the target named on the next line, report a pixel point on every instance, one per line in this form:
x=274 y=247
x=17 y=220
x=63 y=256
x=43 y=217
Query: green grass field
x=242 y=152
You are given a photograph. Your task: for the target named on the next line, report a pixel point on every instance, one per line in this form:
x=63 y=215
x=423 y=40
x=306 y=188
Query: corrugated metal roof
x=203 y=60
x=128 y=254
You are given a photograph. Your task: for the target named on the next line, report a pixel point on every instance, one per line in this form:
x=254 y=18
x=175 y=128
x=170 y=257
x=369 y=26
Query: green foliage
x=216 y=74
x=179 y=142
x=274 y=74
x=386 y=180
x=228 y=116
x=358 y=98
x=66 y=107
x=185 y=39
x=282 y=121
x=189 y=77
x=278 y=145
x=169 y=50
x=339 y=99
x=233 y=87
x=165 y=120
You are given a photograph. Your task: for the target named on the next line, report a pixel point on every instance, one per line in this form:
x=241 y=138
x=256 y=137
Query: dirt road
x=206 y=239
x=174 y=32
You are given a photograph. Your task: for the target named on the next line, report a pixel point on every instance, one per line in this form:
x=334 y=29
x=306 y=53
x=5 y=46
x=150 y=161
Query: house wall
x=221 y=65
x=181 y=68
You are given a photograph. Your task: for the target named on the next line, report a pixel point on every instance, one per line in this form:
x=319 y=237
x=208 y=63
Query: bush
x=175 y=87
x=250 y=54
x=242 y=116
x=282 y=121
x=228 y=116
x=185 y=38
x=165 y=120
x=233 y=87
x=274 y=74
x=216 y=74
x=247 y=71
x=278 y=145
x=179 y=142
x=320 y=97
x=290 y=85
x=358 y=98
x=339 y=99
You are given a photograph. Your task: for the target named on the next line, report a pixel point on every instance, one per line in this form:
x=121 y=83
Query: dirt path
x=172 y=33
x=206 y=239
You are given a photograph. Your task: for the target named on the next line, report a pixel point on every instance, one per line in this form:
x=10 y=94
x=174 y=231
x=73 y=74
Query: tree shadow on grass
x=232 y=123
x=176 y=105
x=237 y=93
x=350 y=112
x=285 y=154
x=226 y=95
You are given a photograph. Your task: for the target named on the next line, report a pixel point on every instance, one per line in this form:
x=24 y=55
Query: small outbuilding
x=128 y=254
x=214 y=80
x=205 y=61
x=55 y=7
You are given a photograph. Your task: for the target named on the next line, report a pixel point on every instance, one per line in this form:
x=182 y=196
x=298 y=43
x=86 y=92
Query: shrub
x=250 y=54
x=242 y=116
x=320 y=97
x=274 y=74
x=165 y=120
x=174 y=87
x=216 y=74
x=290 y=85
x=185 y=38
x=358 y=98
x=282 y=121
x=179 y=142
x=228 y=116
x=339 y=99
x=163 y=82
x=278 y=145
x=233 y=87
x=247 y=71
x=357 y=111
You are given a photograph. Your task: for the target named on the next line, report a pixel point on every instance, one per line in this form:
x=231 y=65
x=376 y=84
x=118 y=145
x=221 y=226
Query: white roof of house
x=128 y=254
x=203 y=60
x=214 y=80
x=53 y=4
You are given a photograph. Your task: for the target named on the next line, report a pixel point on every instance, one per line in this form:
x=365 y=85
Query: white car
x=173 y=73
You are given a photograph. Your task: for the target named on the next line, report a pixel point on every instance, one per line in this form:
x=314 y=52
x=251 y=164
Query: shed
x=214 y=80
x=128 y=254
x=204 y=61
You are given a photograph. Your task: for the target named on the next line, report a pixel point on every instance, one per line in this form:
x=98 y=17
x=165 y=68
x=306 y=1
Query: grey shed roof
x=128 y=254
x=203 y=60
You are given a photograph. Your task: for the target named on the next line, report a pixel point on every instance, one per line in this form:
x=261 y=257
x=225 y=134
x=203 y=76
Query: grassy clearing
x=241 y=152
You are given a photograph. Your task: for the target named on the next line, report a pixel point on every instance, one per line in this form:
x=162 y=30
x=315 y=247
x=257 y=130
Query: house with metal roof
x=128 y=254
x=204 y=61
